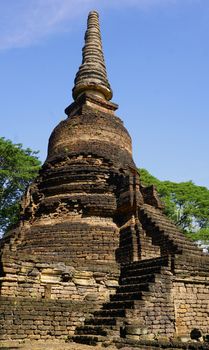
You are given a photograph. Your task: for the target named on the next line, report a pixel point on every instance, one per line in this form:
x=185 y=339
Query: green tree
x=185 y=203
x=18 y=167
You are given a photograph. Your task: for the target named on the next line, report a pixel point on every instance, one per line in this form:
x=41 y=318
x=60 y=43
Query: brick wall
x=191 y=299
x=191 y=294
x=41 y=319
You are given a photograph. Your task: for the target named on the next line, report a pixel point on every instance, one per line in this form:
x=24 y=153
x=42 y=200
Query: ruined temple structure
x=93 y=258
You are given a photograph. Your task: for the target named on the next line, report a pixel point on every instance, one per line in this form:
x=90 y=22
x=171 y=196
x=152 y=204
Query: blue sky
x=157 y=57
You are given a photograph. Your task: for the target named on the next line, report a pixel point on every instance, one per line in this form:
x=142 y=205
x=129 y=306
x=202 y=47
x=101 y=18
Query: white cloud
x=25 y=22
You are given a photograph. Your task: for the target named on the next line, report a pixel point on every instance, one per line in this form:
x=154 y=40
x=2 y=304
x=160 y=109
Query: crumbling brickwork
x=93 y=256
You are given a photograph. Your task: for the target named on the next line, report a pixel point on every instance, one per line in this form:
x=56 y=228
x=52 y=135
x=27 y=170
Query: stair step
x=143 y=264
x=110 y=313
x=88 y=339
x=94 y=330
x=104 y=330
x=141 y=271
x=137 y=279
x=126 y=296
x=127 y=304
x=97 y=321
x=129 y=288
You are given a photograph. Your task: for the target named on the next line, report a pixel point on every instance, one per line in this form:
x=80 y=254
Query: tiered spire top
x=92 y=75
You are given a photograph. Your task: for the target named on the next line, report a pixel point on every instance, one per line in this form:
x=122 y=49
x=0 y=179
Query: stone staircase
x=112 y=321
x=165 y=234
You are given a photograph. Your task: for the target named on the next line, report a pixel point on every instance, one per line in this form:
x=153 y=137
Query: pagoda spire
x=92 y=76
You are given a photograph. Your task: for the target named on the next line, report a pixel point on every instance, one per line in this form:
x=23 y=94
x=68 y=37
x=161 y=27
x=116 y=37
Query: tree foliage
x=185 y=203
x=18 y=167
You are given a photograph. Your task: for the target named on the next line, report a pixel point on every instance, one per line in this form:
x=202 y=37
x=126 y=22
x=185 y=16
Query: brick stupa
x=93 y=257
